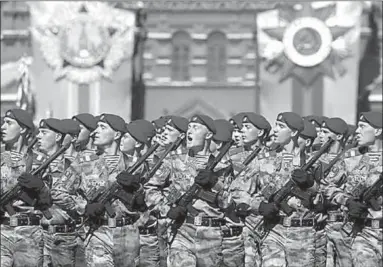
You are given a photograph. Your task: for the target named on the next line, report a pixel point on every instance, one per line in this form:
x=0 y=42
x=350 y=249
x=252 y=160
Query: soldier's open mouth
x=190 y=138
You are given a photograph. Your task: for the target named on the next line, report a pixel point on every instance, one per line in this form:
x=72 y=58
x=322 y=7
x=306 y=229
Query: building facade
x=200 y=56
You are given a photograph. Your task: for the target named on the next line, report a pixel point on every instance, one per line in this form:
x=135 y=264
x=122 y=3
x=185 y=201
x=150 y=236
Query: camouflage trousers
x=149 y=250
x=338 y=246
x=59 y=249
x=366 y=249
x=117 y=247
x=80 y=248
x=233 y=250
x=198 y=246
x=21 y=246
x=320 y=248
x=289 y=246
x=252 y=249
x=163 y=241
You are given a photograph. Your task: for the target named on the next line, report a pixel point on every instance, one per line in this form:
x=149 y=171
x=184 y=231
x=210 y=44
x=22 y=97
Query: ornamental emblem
x=84 y=42
x=308 y=50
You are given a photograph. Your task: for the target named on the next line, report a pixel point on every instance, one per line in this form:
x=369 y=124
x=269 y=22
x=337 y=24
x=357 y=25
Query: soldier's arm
x=244 y=186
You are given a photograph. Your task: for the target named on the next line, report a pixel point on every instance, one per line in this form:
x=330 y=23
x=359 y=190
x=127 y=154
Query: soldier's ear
x=339 y=137
x=308 y=142
x=58 y=137
x=23 y=130
x=294 y=133
x=261 y=132
x=209 y=135
x=117 y=135
x=378 y=132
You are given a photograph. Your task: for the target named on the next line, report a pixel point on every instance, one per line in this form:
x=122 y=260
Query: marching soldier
x=289 y=239
x=21 y=233
x=173 y=128
x=255 y=130
x=59 y=232
x=115 y=239
x=364 y=222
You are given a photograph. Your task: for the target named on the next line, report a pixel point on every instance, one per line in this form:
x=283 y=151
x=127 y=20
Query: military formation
x=184 y=192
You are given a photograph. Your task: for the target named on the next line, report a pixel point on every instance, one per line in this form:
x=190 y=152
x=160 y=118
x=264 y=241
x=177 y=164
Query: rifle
x=109 y=195
x=369 y=197
x=17 y=191
x=249 y=159
x=291 y=189
x=158 y=164
x=196 y=191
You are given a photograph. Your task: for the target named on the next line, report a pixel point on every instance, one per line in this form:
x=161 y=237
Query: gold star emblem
x=308 y=52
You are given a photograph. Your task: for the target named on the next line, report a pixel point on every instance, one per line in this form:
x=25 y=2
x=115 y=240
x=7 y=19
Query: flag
x=25 y=97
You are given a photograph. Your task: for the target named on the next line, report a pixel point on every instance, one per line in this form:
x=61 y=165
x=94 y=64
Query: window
x=181 y=57
x=216 y=57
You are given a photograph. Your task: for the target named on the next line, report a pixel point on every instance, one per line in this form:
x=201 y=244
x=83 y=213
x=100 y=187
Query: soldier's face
x=237 y=136
x=169 y=135
x=128 y=143
x=214 y=145
x=47 y=139
x=366 y=134
x=249 y=133
x=317 y=139
x=158 y=137
x=84 y=134
x=282 y=133
x=325 y=134
x=104 y=134
x=196 y=135
x=10 y=130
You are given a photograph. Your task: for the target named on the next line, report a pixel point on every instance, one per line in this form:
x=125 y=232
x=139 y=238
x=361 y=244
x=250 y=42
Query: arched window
x=181 y=57
x=216 y=57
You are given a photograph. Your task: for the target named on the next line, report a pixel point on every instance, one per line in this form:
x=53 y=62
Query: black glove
x=139 y=203
x=303 y=179
x=129 y=181
x=207 y=179
x=94 y=209
x=177 y=213
x=243 y=210
x=44 y=200
x=356 y=209
x=268 y=210
x=30 y=182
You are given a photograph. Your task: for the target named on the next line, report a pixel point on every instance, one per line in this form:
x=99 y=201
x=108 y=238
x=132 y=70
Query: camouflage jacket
x=364 y=170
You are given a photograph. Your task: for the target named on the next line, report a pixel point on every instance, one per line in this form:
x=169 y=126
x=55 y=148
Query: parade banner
x=311 y=55
x=83 y=53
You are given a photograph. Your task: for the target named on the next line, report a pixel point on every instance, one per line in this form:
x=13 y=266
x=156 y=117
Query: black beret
x=309 y=130
x=86 y=119
x=22 y=117
x=141 y=130
x=160 y=122
x=180 y=123
x=224 y=130
x=236 y=120
x=336 y=125
x=316 y=120
x=70 y=126
x=292 y=120
x=257 y=120
x=373 y=118
x=204 y=120
x=52 y=124
x=351 y=129
x=114 y=121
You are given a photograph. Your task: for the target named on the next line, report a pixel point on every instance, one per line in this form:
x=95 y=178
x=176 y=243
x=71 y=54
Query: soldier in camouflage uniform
x=317 y=121
x=232 y=244
x=338 y=244
x=59 y=232
x=115 y=242
x=174 y=127
x=21 y=233
x=135 y=142
x=365 y=166
x=291 y=239
x=255 y=129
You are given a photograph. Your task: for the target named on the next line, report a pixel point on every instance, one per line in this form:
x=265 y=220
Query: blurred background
x=144 y=59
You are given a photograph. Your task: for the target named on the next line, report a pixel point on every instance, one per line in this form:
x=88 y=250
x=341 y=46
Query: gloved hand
x=303 y=179
x=207 y=179
x=177 y=213
x=129 y=181
x=94 y=209
x=268 y=210
x=243 y=210
x=30 y=181
x=356 y=209
x=44 y=200
x=139 y=203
